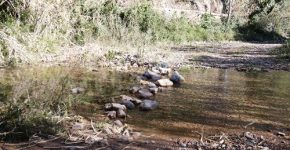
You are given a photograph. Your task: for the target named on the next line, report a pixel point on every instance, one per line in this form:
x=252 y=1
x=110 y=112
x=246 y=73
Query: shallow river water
x=210 y=101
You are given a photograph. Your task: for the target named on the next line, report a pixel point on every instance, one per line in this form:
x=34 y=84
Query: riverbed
x=210 y=101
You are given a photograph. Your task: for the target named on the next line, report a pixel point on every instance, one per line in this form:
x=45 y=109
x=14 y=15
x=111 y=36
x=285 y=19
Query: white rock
x=164 y=82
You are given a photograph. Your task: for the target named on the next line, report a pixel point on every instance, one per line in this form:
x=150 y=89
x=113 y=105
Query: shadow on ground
x=235 y=55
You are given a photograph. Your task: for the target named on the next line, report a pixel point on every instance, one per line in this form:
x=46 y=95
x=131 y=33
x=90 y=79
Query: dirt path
x=242 y=56
x=238 y=55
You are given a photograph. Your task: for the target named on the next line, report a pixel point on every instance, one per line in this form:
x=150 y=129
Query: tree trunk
x=229 y=12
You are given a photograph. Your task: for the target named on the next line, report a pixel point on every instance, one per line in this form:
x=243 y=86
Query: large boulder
x=164 y=82
x=147 y=105
x=144 y=93
x=176 y=77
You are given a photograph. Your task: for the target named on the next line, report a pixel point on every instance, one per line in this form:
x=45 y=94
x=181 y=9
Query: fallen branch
x=251 y=123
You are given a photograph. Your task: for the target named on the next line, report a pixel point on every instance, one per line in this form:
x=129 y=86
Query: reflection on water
x=218 y=100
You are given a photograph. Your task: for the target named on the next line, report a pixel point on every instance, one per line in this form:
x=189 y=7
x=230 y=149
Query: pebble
x=147 y=105
x=77 y=90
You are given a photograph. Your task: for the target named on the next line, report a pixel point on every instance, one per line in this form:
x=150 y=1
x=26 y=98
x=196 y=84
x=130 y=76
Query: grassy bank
x=30 y=100
x=44 y=26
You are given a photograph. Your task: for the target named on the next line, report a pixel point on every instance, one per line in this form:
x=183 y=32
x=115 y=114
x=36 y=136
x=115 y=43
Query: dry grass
x=33 y=98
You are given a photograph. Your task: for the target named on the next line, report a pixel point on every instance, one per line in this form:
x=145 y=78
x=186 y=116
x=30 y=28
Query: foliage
x=45 y=25
x=268 y=21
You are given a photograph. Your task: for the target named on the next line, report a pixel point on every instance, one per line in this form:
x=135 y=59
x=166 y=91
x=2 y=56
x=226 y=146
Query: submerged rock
x=128 y=103
x=147 y=105
x=164 y=82
x=144 y=93
x=176 y=77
